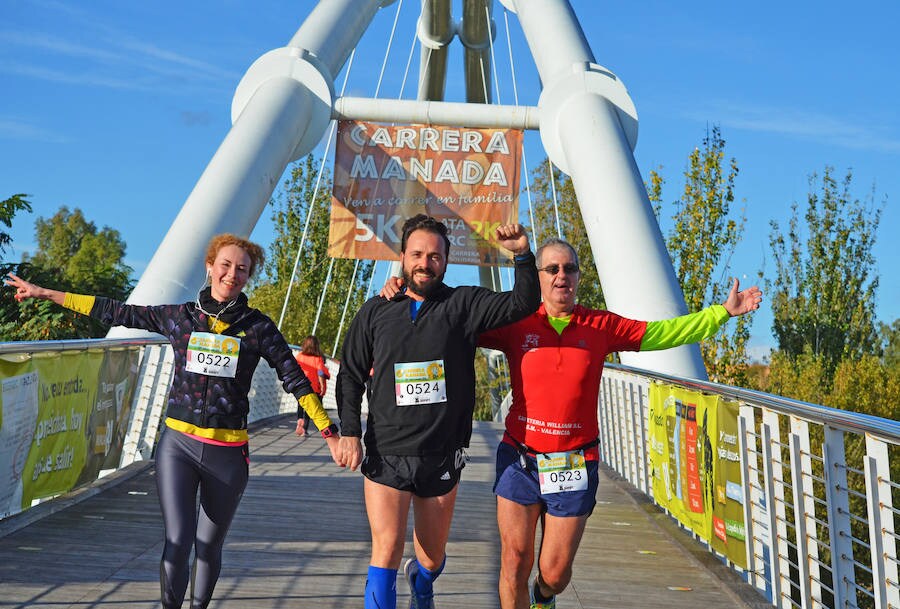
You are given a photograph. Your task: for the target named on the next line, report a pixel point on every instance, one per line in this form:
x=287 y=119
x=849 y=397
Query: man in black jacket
x=420 y=348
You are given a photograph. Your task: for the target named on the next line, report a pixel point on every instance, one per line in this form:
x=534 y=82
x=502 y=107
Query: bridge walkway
x=300 y=539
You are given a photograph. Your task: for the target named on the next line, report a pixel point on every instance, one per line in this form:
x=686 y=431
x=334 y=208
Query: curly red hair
x=257 y=256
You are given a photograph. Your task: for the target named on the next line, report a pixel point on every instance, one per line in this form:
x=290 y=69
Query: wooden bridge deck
x=300 y=539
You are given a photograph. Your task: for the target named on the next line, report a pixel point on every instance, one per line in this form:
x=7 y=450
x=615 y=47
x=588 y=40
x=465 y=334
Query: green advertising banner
x=695 y=465
x=108 y=422
x=67 y=388
x=64 y=419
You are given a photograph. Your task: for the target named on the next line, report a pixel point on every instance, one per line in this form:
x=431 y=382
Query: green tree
x=74 y=256
x=571 y=227
x=823 y=291
x=319 y=277
x=8 y=209
x=702 y=239
x=889 y=336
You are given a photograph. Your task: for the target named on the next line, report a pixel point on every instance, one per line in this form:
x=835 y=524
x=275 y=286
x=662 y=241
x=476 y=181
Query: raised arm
x=513 y=237
x=701 y=325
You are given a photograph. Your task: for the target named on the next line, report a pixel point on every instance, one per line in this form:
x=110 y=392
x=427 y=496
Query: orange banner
x=468 y=178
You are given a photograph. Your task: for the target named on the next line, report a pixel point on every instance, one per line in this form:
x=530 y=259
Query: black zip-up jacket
x=211 y=401
x=446 y=328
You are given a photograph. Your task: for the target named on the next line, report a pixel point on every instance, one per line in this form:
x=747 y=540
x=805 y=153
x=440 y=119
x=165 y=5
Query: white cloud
x=17 y=129
x=802 y=124
x=109 y=61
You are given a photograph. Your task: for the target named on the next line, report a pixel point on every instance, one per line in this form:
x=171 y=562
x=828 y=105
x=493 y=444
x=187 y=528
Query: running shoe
x=410 y=570
x=551 y=604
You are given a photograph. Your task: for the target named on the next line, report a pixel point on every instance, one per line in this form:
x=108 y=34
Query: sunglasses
x=570 y=268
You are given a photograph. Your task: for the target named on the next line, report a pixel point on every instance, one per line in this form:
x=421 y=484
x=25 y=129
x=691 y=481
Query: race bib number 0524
x=420 y=382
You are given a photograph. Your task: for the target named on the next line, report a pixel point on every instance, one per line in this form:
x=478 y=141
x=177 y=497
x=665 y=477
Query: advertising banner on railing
x=64 y=419
x=468 y=178
x=695 y=465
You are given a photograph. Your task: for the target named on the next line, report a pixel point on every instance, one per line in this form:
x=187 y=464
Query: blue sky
x=116 y=107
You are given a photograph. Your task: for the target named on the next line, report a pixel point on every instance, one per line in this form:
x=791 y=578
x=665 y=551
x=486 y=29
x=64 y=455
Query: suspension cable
x=295 y=271
x=512 y=68
x=388 y=50
x=322 y=297
x=487 y=17
x=412 y=49
x=337 y=338
x=371 y=280
x=387 y=53
x=555 y=204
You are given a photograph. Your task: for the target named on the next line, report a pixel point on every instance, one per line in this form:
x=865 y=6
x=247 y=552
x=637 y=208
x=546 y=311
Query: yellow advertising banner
x=695 y=465
x=64 y=418
x=467 y=178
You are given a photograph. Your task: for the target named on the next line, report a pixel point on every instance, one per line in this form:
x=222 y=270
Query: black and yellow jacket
x=211 y=406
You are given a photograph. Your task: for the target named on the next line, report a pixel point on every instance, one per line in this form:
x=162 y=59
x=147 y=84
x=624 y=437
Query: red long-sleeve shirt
x=556 y=376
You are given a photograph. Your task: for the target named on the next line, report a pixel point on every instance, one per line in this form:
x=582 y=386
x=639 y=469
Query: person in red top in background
x=556 y=358
x=312 y=361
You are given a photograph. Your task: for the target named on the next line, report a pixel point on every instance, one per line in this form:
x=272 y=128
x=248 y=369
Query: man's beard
x=424 y=289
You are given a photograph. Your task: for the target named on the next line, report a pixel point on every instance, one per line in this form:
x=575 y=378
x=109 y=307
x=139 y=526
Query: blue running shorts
x=522 y=486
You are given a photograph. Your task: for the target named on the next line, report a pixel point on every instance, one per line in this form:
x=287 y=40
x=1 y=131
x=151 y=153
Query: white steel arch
x=587 y=120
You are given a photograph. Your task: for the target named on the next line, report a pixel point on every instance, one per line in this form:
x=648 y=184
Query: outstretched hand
x=513 y=237
x=739 y=303
x=25 y=289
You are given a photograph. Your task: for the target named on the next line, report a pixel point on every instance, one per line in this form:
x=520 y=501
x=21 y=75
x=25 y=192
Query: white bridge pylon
x=587 y=122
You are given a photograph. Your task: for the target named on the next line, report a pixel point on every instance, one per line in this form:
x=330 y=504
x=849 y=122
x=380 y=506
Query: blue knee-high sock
x=424 y=581
x=381 y=588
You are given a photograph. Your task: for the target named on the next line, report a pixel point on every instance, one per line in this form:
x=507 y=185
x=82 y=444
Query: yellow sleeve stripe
x=313 y=407
x=222 y=435
x=79 y=303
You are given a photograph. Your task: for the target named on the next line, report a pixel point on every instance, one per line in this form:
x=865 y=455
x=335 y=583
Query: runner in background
x=312 y=361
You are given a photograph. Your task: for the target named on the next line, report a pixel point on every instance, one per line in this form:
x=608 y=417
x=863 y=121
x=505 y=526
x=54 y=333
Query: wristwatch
x=331 y=430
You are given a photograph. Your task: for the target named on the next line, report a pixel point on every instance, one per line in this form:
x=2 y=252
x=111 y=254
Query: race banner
x=467 y=178
x=695 y=465
x=64 y=418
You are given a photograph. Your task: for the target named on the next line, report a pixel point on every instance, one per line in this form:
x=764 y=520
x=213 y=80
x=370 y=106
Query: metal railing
x=267 y=398
x=817 y=484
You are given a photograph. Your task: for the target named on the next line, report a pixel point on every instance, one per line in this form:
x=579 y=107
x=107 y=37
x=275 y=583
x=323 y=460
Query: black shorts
x=428 y=476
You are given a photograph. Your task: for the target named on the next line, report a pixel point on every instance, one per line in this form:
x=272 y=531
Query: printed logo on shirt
x=531 y=342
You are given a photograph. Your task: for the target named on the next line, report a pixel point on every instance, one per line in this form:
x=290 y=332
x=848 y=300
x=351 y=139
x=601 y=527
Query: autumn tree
x=318 y=279
x=701 y=241
x=824 y=285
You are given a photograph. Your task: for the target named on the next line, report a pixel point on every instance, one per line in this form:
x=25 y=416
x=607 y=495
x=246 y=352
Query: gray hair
x=555 y=242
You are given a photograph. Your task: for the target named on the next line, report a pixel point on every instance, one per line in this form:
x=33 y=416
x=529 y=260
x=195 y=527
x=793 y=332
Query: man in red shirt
x=556 y=358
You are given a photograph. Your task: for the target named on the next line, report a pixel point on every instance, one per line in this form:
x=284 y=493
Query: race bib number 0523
x=562 y=472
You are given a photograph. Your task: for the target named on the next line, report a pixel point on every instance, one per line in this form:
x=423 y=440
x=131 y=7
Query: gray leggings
x=184 y=465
